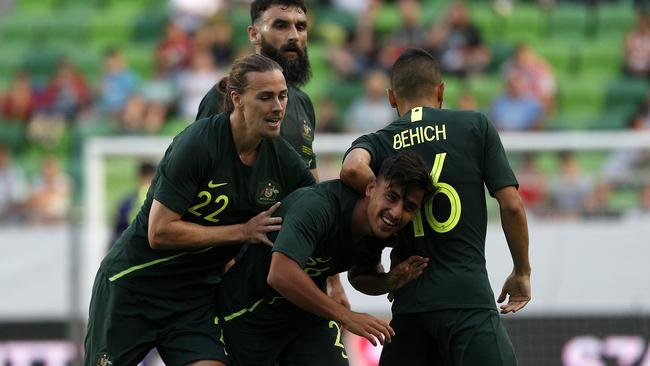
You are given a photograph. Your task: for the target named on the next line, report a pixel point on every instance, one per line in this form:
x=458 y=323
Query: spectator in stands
x=13 y=188
x=118 y=84
x=191 y=14
x=457 y=43
x=140 y=116
x=467 y=100
x=533 y=186
x=372 y=111
x=19 y=102
x=597 y=203
x=195 y=82
x=130 y=205
x=515 y=110
x=642 y=212
x=538 y=78
x=621 y=165
x=327 y=115
x=160 y=95
x=410 y=33
x=637 y=47
x=353 y=54
x=174 y=52
x=67 y=93
x=51 y=193
x=570 y=189
x=216 y=36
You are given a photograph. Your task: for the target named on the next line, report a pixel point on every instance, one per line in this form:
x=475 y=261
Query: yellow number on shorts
x=338 y=343
x=452 y=196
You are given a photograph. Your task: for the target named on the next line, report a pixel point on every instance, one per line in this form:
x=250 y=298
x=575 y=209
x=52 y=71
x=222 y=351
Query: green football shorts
x=458 y=337
x=123 y=326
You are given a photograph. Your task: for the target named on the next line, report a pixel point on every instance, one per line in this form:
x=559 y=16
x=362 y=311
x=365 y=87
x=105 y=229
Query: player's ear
x=440 y=91
x=391 y=97
x=254 y=36
x=370 y=188
x=236 y=99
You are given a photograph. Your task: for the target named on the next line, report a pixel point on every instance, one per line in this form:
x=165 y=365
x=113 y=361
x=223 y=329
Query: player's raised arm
x=356 y=171
x=374 y=280
x=287 y=278
x=515 y=228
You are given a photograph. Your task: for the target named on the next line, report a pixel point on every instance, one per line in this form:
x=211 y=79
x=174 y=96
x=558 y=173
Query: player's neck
x=246 y=140
x=405 y=106
x=360 y=225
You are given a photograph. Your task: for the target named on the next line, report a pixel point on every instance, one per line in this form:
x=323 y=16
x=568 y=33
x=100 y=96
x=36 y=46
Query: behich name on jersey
x=418 y=135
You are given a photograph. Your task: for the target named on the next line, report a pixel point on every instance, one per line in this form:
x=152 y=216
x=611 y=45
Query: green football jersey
x=202 y=178
x=465 y=154
x=316 y=233
x=298 y=124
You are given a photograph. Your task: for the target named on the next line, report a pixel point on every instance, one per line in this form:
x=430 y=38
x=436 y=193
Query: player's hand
x=376 y=331
x=517 y=288
x=406 y=271
x=256 y=228
x=336 y=291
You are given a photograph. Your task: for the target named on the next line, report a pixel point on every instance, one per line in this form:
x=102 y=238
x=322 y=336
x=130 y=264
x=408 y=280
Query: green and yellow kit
x=298 y=124
x=260 y=326
x=465 y=155
x=202 y=178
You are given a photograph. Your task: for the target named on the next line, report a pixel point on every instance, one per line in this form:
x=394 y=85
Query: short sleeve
x=498 y=173
x=180 y=172
x=211 y=104
x=302 y=227
x=368 y=142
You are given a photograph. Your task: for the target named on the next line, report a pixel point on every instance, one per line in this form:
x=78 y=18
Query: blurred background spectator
x=129 y=206
x=637 y=47
x=51 y=191
x=13 y=188
x=118 y=84
x=457 y=43
x=371 y=111
x=515 y=109
x=19 y=101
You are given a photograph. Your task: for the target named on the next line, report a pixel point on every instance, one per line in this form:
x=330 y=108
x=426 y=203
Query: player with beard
x=278 y=31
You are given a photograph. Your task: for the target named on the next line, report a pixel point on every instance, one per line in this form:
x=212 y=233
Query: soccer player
x=215 y=189
x=278 y=30
x=272 y=302
x=447 y=316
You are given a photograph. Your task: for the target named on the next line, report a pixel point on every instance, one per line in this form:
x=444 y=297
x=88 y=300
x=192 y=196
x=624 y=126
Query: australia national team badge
x=268 y=193
x=307 y=131
x=103 y=360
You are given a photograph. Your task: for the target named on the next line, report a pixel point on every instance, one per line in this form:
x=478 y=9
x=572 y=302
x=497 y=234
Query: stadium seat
x=625 y=94
x=149 y=25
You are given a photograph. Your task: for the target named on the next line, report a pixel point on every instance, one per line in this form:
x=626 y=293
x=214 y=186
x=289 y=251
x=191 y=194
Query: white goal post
x=97 y=149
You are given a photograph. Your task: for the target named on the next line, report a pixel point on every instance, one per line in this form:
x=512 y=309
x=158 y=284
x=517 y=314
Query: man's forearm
x=287 y=278
x=515 y=228
x=369 y=282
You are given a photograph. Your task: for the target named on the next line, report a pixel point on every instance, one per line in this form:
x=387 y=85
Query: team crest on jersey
x=268 y=192
x=103 y=360
x=307 y=131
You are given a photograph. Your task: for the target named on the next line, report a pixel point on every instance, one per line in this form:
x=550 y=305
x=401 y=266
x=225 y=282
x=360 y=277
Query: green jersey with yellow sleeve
x=202 y=178
x=298 y=125
x=465 y=155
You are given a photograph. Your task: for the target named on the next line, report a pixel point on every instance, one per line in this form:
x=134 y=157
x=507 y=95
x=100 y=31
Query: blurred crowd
x=197 y=45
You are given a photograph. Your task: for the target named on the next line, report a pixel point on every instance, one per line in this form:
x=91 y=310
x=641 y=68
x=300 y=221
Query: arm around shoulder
x=356 y=171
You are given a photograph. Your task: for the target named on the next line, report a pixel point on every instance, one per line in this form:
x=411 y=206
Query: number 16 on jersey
x=449 y=192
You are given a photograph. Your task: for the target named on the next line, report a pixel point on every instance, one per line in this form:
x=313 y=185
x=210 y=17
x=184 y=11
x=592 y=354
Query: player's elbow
x=155 y=237
x=512 y=207
x=276 y=280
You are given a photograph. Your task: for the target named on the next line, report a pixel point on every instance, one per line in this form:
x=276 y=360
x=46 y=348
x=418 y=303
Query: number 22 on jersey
x=449 y=192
